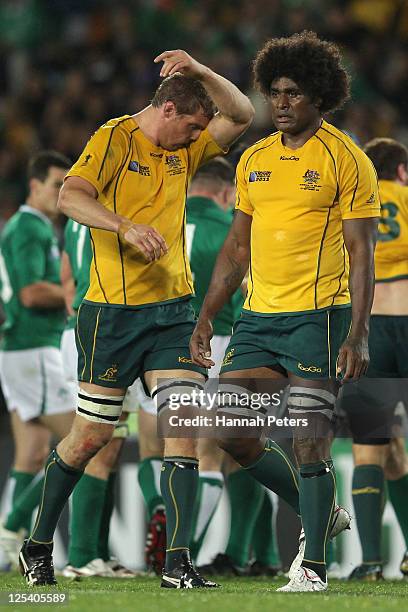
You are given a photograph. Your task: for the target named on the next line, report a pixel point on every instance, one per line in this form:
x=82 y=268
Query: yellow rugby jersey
x=391 y=253
x=297 y=200
x=148 y=185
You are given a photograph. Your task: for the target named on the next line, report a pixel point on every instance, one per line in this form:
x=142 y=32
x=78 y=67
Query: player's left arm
x=235 y=111
x=360 y=237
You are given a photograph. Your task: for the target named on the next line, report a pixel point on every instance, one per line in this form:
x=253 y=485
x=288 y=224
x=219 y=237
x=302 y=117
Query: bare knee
x=311 y=450
x=396 y=464
x=370 y=454
x=105 y=460
x=85 y=439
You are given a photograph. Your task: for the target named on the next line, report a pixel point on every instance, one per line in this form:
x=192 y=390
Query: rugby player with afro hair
x=306 y=194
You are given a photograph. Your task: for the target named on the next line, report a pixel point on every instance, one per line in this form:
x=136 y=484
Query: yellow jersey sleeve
x=102 y=157
x=202 y=150
x=242 y=199
x=358 y=186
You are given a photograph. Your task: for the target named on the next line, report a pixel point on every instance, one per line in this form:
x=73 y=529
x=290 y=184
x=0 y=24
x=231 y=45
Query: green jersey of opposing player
x=29 y=254
x=209 y=217
x=77 y=245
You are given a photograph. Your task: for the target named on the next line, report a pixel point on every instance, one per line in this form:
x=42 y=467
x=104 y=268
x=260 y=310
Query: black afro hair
x=313 y=64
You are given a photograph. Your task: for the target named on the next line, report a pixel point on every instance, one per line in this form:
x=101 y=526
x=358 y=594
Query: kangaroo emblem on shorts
x=109 y=374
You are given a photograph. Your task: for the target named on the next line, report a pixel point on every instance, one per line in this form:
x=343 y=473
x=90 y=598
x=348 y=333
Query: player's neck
x=295 y=141
x=147 y=122
x=33 y=204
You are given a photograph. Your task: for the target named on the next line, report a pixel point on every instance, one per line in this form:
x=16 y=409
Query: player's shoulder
x=259 y=147
x=118 y=127
x=27 y=224
x=342 y=144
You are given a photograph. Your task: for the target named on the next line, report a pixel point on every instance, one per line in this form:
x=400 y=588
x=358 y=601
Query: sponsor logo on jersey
x=228 y=357
x=311 y=368
x=371 y=199
x=134 y=166
x=259 y=175
x=158 y=155
x=184 y=360
x=289 y=158
x=109 y=374
x=86 y=160
x=311 y=180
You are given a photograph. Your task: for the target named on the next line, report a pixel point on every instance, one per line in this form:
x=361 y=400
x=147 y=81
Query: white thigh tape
x=100 y=408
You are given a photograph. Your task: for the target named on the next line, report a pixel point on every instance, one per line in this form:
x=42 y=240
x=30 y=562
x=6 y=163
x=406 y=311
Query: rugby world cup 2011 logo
x=259 y=176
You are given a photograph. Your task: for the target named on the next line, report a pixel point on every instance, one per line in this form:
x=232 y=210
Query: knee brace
x=176 y=393
x=306 y=400
x=100 y=408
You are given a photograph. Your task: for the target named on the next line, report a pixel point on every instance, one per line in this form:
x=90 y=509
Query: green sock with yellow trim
x=179 y=485
x=368 y=496
x=317 y=496
x=59 y=482
x=275 y=470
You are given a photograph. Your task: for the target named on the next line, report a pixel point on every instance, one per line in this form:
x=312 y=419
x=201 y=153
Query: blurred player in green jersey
x=39 y=399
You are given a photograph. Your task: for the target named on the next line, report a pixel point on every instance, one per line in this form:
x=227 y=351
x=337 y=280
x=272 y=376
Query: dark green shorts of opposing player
x=373 y=405
x=116 y=344
x=304 y=344
x=388 y=344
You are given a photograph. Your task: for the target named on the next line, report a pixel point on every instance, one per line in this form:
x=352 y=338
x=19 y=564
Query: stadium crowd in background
x=66 y=66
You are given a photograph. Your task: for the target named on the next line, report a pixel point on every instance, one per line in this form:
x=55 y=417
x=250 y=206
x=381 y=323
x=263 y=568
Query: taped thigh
x=307 y=401
x=100 y=408
x=177 y=393
x=234 y=399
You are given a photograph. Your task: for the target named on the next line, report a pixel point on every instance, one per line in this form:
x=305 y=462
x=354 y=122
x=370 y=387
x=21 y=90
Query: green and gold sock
x=368 y=494
x=317 y=495
x=275 y=470
x=179 y=484
x=59 y=482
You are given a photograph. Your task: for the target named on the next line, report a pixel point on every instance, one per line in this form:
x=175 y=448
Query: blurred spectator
x=68 y=65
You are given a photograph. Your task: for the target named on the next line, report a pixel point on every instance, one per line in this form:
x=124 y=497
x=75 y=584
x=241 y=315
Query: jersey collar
x=33 y=211
x=208 y=208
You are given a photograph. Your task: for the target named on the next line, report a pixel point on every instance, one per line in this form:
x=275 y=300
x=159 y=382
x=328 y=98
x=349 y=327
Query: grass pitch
x=248 y=594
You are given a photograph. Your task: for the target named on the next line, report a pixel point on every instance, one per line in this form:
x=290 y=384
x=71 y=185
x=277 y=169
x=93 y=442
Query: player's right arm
x=230 y=270
x=99 y=163
x=30 y=256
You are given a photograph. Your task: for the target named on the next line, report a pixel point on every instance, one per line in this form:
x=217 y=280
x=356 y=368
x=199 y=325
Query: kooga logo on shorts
x=309 y=369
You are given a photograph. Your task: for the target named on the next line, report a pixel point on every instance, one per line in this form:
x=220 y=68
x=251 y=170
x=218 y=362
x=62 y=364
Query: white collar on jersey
x=29 y=209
